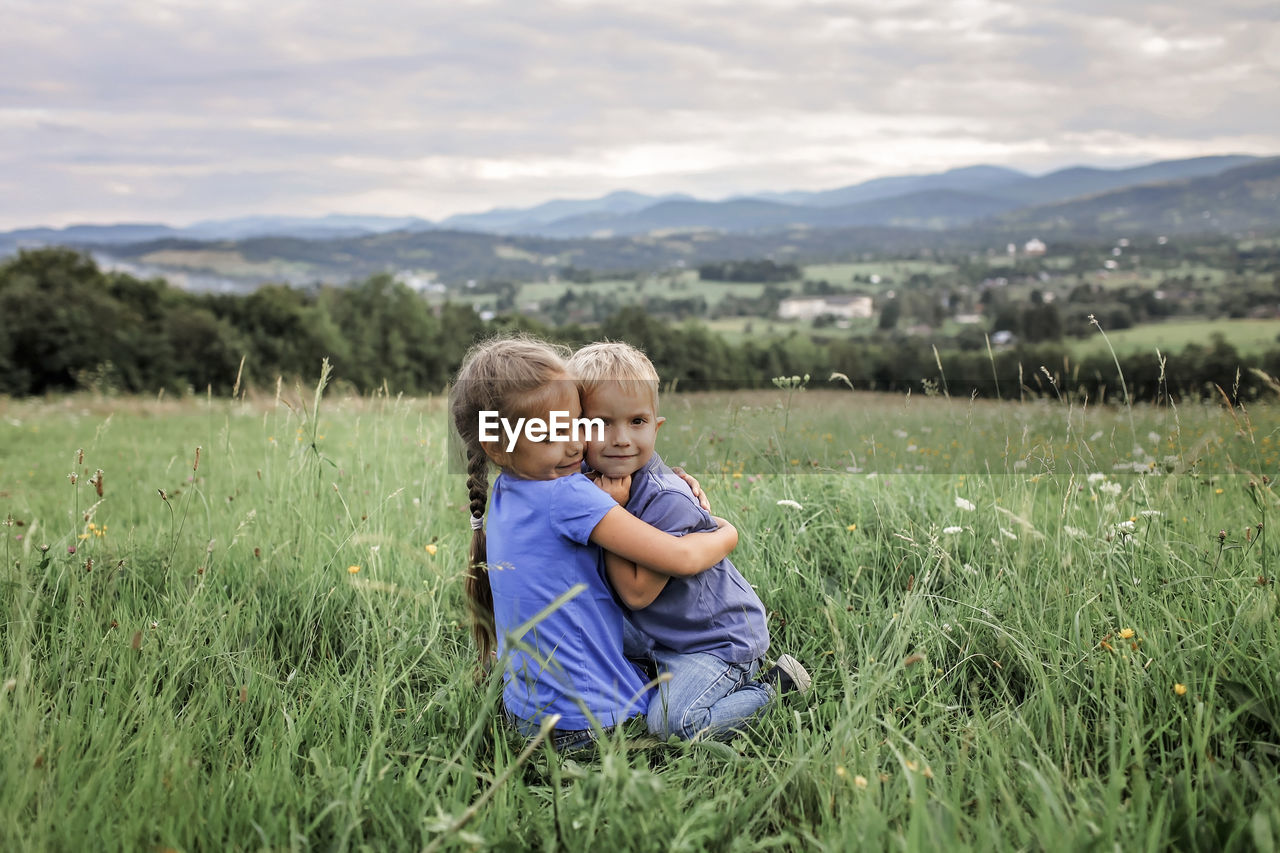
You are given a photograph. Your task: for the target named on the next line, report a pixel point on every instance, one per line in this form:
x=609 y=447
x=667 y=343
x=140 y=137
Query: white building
x=846 y=306
x=1034 y=246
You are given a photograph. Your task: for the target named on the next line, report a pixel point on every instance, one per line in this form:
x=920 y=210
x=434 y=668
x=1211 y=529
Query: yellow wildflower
x=431 y=549
x=352 y=569
x=851 y=528
x=1127 y=633
x=1180 y=689
x=860 y=781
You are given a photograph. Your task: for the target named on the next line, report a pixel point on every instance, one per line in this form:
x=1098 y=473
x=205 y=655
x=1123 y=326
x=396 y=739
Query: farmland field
x=1249 y=337
x=1036 y=625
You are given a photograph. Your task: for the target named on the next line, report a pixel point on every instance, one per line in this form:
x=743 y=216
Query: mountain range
x=974 y=206
x=935 y=201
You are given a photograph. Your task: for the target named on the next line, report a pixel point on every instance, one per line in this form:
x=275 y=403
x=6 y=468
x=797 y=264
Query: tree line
x=66 y=324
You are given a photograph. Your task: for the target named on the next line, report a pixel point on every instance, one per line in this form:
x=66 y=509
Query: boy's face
x=630 y=428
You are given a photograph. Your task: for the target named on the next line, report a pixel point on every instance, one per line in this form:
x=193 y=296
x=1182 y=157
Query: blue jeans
x=561 y=740
x=706 y=697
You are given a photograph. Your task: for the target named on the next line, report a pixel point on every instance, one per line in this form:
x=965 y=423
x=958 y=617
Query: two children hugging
x=551 y=531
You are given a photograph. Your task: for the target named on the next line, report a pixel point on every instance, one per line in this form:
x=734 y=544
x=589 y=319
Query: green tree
x=60 y=320
x=890 y=313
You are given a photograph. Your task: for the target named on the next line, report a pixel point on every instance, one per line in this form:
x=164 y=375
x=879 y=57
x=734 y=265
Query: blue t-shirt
x=717 y=611
x=571 y=662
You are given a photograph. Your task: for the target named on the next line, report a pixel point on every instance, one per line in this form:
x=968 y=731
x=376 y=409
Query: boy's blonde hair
x=614 y=362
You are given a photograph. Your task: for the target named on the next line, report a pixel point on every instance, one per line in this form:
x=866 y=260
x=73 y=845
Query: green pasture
x=1249 y=337
x=1030 y=626
x=893 y=273
x=737 y=330
x=682 y=285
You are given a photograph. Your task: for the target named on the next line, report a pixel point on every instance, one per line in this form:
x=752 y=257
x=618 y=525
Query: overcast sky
x=179 y=110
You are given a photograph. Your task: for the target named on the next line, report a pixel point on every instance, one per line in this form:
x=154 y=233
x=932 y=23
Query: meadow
x=238 y=624
x=1249 y=337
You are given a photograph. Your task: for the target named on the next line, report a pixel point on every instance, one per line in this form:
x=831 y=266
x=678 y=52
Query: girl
x=547 y=523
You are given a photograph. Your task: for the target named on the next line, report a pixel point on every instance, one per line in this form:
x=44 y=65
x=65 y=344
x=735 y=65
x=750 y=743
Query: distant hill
x=630 y=232
x=1240 y=199
x=453 y=257
x=314 y=228
x=981 y=180
x=508 y=220
x=81 y=234
x=945 y=200
x=737 y=215
x=1085 y=180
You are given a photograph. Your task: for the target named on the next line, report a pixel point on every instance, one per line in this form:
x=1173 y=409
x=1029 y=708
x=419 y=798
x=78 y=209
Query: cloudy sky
x=181 y=110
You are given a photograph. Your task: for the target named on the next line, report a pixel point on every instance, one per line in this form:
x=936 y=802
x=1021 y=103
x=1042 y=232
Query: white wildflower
x=1073 y=531
x=952 y=530
x=1125 y=526
x=1153 y=437
x=1112 y=489
x=1151 y=513
x=964 y=504
x=790 y=503
x=900 y=433
x=1096 y=477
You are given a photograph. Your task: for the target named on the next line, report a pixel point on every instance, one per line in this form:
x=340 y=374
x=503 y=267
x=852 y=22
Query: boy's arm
x=635 y=585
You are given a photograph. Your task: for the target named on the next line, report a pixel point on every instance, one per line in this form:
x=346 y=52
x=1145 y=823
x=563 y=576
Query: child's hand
x=618 y=488
x=693 y=487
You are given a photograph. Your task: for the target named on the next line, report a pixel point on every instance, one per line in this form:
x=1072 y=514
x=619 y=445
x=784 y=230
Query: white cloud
x=430 y=107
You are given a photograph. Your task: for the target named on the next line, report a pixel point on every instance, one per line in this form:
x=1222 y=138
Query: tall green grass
x=273 y=654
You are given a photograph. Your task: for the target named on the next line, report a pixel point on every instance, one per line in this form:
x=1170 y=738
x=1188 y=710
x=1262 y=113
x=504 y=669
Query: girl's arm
x=693 y=485
x=629 y=537
x=635 y=585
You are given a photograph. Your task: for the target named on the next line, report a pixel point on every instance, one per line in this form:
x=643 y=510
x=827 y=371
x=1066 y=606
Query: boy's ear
x=658 y=422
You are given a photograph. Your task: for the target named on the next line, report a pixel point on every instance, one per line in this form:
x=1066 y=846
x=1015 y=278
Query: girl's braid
x=479 y=594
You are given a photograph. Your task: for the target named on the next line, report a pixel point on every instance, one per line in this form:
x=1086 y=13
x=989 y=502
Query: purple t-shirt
x=717 y=611
x=571 y=662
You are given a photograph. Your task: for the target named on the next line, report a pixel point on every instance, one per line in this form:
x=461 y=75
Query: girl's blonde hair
x=503 y=375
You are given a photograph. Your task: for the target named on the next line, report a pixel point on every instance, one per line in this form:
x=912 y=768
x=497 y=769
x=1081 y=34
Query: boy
x=709 y=630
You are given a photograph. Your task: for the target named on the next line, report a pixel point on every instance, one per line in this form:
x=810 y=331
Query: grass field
x=685 y=284
x=254 y=638
x=1249 y=337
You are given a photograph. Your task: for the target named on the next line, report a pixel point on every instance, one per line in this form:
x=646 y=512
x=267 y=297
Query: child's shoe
x=788 y=675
